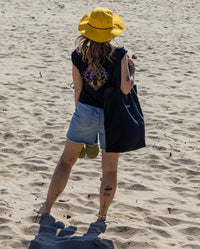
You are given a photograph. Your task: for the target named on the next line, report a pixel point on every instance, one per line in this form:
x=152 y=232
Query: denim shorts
x=87 y=125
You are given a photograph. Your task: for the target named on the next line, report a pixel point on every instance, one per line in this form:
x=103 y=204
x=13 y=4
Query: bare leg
x=109 y=182
x=61 y=175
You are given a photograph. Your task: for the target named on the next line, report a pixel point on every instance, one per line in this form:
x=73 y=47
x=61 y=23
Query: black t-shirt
x=94 y=85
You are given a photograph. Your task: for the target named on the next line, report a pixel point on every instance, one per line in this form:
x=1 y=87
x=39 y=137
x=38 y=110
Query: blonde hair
x=93 y=52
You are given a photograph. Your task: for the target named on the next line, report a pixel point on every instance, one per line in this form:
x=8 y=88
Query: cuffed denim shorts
x=87 y=125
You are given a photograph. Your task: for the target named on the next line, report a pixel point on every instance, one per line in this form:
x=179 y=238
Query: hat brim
x=101 y=35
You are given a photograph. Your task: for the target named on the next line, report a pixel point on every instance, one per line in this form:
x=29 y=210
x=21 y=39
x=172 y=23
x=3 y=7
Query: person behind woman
x=92 y=74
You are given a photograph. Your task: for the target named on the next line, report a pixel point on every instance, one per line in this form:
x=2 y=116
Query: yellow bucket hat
x=101 y=25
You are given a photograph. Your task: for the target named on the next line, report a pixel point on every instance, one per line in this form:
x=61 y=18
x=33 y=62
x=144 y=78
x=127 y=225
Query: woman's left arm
x=127 y=74
x=78 y=84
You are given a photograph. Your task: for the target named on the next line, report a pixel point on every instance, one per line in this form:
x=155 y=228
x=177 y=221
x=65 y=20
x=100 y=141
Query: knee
x=110 y=173
x=65 y=165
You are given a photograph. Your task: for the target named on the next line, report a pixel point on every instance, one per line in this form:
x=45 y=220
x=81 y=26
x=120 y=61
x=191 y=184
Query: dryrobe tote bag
x=123 y=117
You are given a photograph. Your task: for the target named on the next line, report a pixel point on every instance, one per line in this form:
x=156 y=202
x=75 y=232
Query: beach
x=158 y=197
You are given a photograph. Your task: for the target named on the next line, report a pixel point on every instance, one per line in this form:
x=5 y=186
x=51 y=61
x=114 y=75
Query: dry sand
x=158 y=199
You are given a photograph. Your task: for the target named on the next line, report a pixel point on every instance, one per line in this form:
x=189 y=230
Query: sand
x=158 y=198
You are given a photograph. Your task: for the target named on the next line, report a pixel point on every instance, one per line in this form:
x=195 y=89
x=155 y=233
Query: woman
x=92 y=73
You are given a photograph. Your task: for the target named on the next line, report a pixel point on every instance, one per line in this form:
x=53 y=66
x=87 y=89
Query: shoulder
x=119 y=52
x=76 y=57
x=76 y=54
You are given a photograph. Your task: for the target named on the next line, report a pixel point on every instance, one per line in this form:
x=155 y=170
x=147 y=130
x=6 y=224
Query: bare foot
x=42 y=210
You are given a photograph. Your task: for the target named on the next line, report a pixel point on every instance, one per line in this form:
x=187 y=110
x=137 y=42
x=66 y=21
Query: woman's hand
x=131 y=66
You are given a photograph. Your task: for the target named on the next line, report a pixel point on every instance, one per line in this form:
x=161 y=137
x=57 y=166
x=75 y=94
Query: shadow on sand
x=54 y=235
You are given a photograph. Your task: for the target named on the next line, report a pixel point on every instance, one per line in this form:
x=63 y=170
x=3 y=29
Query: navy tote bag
x=123 y=117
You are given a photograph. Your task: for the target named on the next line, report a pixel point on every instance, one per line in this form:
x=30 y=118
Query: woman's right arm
x=78 y=83
x=127 y=74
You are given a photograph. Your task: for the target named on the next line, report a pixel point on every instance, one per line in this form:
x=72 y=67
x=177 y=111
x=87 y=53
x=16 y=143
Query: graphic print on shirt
x=96 y=81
